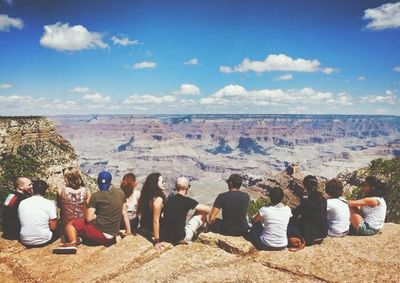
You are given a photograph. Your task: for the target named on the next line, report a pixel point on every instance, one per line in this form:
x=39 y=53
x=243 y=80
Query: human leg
x=72 y=233
x=193 y=226
x=355 y=217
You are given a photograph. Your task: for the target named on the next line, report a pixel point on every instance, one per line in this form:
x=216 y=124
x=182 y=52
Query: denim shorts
x=365 y=230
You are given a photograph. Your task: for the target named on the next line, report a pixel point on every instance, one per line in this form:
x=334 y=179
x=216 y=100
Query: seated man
x=234 y=204
x=176 y=209
x=10 y=221
x=38 y=217
x=102 y=220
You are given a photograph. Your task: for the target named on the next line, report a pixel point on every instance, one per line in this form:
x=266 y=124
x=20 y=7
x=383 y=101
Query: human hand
x=159 y=246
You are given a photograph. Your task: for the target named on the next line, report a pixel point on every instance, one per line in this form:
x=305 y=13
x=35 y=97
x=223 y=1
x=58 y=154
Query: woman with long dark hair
x=367 y=215
x=309 y=221
x=150 y=205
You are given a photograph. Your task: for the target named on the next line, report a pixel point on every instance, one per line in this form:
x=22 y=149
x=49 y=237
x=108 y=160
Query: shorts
x=90 y=232
x=191 y=227
x=364 y=230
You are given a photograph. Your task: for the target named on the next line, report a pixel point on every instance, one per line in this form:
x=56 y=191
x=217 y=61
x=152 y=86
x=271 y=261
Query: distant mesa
x=249 y=146
x=222 y=148
x=179 y=119
x=193 y=136
x=283 y=143
x=396 y=152
x=126 y=146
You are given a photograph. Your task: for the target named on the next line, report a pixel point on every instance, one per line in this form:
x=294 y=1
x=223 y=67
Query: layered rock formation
x=37 y=138
x=212 y=258
x=211 y=147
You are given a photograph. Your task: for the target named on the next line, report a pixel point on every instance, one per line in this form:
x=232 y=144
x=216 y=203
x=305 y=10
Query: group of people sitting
x=99 y=217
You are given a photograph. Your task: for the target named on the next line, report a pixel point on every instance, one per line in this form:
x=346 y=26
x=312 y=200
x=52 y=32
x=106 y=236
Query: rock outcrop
x=212 y=258
x=36 y=138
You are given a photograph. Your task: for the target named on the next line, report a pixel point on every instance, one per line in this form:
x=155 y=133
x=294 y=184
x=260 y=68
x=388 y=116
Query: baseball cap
x=104 y=180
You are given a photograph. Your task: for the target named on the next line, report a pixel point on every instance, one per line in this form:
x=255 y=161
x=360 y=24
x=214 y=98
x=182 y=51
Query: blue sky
x=197 y=56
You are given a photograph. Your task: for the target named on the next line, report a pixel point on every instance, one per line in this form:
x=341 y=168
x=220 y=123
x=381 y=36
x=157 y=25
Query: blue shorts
x=364 y=230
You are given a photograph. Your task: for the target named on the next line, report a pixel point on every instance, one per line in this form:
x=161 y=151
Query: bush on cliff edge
x=389 y=172
x=23 y=163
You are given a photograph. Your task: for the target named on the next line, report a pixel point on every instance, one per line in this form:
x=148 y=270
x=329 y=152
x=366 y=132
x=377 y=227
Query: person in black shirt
x=11 y=225
x=234 y=204
x=309 y=221
x=176 y=208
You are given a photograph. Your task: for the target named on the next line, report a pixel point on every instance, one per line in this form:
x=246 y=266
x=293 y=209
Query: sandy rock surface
x=212 y=258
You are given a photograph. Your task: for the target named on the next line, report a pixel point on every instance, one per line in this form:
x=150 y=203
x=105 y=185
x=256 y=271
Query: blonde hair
x=72 y=178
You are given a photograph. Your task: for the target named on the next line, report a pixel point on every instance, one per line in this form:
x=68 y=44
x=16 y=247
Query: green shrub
x=255 y=206
x=389 y=172
x=24 y=163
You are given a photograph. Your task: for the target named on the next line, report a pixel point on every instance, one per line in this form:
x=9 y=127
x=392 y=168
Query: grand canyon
x=208 y=148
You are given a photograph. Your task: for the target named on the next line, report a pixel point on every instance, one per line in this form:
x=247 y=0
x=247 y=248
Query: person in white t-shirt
x=269 y=228
x=38 y=217
x=338 y=212
x=367 y=215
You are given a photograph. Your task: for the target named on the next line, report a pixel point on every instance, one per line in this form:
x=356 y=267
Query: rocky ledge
x=212 y=258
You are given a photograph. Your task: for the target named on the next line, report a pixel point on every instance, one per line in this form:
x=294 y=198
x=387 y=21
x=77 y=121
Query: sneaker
x=65 y=250
x=79 y=241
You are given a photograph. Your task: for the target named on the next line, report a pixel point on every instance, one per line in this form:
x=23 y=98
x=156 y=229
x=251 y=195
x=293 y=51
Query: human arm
x=89 y=194
x=202 y=208
x=372 y=202
x=53 y=224
x=126 y=220
x=257 y=217
x=157 y=207
x=90 y=214
x=213 y=214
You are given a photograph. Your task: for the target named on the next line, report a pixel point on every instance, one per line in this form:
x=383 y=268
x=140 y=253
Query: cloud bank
x=6 y=23
x=383 y=17
x=63 y=37
x=280 y=62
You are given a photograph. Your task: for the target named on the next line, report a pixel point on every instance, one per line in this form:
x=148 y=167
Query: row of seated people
x=97 y=218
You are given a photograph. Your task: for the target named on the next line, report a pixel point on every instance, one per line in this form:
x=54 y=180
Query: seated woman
x=128 y=186
x=309 y=222
x=367 y=215
x=150 y=204
x=268 y=232
x=72 y=198
x=338 y=213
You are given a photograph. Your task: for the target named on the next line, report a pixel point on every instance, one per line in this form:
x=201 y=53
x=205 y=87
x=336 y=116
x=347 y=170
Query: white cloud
x=328 y=70
x=286 y=77
x=7 y=22
x=188 y=89
x=62 y=37
x=144 y=65
x=123 y=40
x=5 y=86
x=193 y=61
x=238 y=95
x=148 y=99
x=396 y=69
x=388 y=98
x=97 y=98
x=362 y=78
x=383 y=17
x=279 y=62
x=80 y=89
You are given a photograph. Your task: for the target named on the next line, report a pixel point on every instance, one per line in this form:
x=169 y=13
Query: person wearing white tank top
x=368 y=214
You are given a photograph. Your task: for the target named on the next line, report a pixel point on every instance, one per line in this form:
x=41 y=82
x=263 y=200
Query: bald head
x=182 y=183
x=23 y=185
